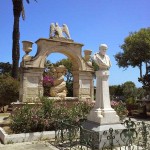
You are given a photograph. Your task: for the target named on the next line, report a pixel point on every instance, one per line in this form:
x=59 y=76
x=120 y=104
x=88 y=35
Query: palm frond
x=28 y=1
x=23 y=12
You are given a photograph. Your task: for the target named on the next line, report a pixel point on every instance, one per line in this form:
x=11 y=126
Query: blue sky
x=90 y=22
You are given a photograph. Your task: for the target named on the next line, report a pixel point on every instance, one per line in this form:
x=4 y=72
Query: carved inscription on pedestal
x=32 y=86
x=31 y=91
x=85 y=91
x=32 y=81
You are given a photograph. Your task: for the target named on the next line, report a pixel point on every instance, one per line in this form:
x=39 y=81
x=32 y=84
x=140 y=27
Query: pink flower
x=48 y=80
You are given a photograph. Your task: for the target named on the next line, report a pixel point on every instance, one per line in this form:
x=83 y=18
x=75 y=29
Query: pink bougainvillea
x=48 y=80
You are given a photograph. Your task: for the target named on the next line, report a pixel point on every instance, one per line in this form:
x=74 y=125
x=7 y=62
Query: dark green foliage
x=145 y=80
x=44 y=117
x=5 y=68
x=69 y=86
x=141 y=93
x=127 y=92
x=136 y=53
x=136 y=49
x=116 y=91
x=9 y=90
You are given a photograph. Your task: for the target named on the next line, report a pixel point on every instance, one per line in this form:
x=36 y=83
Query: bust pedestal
x=103 y=113
x=102 y=117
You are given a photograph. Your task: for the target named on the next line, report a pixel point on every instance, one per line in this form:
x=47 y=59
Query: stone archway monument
x=31 y=86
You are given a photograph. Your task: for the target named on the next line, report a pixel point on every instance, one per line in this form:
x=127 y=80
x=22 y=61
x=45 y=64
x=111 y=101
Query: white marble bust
x=101 y=59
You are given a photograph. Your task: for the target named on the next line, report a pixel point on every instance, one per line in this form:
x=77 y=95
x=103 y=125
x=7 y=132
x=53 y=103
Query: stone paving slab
x=28 y=146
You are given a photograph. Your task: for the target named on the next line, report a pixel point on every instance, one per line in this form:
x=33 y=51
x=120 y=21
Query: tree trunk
x=140 y=67
x=146 y=66
x=17 y=8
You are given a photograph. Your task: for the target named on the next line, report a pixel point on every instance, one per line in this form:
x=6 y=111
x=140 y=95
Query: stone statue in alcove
x=59 y=89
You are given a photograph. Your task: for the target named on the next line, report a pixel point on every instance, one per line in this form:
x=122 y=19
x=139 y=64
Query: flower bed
x=120 y=109
x=36 y=122
x=36 y=118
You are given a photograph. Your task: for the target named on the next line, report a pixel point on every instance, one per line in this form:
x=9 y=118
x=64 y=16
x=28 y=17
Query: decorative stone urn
x=27 y=47
x=87 y=56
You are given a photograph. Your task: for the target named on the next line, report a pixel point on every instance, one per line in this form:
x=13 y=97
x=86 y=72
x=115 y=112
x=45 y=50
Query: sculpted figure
x=66 y=31
x=52 y=30
x=59 y=89
x=101 y=59
x=57 y=31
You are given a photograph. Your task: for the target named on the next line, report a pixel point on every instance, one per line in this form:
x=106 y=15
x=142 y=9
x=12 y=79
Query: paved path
x=28 y=146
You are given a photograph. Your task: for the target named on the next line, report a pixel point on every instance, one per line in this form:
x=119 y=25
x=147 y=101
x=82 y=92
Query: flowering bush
x=48 y=81
x=120 y=108
x=44 y=117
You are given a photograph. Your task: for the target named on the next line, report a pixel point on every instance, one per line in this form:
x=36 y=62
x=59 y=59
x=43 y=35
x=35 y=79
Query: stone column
x=75 y=83
x=31 y=87
x=85 y=85
x=102 y=113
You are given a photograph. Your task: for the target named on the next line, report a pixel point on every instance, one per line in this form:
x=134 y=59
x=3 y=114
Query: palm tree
x=18 y=9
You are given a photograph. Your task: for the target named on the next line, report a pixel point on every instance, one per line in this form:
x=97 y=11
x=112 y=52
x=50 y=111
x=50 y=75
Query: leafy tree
x=116 y=91
x=119 y=91
x=18 y=9
x=112 y=89
x=129 y=91
x=136 y=53
x=141 y=93
x=5 y=68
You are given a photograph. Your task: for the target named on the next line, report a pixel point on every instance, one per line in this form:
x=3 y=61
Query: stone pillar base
x=101 y=136
x=103 y=116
